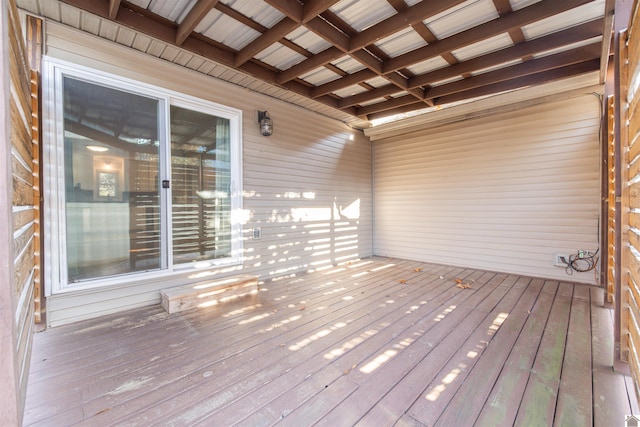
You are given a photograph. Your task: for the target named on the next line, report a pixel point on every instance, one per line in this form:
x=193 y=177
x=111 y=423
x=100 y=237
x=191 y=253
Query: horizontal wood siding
x=24 y=195
x=307 y=187
x=611 y=202
x=630 y=138
x=503 y=193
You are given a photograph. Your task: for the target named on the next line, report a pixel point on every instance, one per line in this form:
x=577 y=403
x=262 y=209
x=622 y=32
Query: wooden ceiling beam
x=390 y=104
x=139 y=19
x=315 y=61
x=581 y=32
x=359 y=98
x=517 y=19
x=607 y=38
x=341 y=83
x=327 y=100
x=397 y=110
x=368 y=60
x=402 y=83
x=291 y=9
x=534 y=66
x=313 y=8
x=330 y=33
x=232 y=13
x=299 y=12
x=337 y=34
x=572 y=35
x=519 y=83
x=504 y=8
x=193 y=18
x=269 y=37
x=412 y=15
x=531 y=80
x=114 y=6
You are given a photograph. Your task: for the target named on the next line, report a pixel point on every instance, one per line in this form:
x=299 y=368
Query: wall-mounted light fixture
x=97 y=148
x=266 y=124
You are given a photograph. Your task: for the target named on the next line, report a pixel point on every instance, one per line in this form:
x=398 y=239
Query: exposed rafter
x=376 y=80
x=197 y=12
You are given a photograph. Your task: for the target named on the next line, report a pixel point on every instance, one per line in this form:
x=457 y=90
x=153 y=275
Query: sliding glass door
x=140 y=181
x=111 y=170
x=200 y=174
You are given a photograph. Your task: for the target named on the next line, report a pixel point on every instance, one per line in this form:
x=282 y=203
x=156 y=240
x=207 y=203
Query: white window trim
x=53 y=175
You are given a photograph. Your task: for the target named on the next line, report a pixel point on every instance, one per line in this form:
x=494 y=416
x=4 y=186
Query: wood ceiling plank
x=517 y=19
x=193 y=18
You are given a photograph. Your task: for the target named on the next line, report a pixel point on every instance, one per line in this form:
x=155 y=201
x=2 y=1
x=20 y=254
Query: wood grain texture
x=22 y=252
x=630 y=136
x=380 y=341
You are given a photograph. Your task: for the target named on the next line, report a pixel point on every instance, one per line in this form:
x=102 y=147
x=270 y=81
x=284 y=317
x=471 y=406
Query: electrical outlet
x=257 y=233
x=560 y=260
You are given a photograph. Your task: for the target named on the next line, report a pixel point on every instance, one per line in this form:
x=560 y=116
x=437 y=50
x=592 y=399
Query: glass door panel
x=111 y=175
x=200 y=176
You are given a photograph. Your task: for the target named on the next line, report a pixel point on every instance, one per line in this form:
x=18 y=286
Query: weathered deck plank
x=539 y=400
x=378 y=342
x=473 y=392
x=472 y=328
x=575 y=400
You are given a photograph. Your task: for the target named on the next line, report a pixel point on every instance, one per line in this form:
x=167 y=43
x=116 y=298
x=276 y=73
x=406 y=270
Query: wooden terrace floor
x=379 y=342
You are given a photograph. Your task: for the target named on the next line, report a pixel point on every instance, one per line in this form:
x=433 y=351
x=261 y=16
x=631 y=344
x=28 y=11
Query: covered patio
x=378 y=341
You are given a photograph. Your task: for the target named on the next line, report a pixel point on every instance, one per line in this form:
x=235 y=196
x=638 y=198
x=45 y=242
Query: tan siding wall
x=302 y=185
x=503 y=193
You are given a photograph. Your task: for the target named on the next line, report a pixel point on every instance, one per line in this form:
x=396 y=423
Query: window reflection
x=200 y=175
x=111 y=181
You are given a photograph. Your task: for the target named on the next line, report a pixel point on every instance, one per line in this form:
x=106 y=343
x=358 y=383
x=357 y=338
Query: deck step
x=208 y=293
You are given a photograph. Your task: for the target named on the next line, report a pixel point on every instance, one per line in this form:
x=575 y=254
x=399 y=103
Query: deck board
x=470 y=397
x=575 y=397
x=500 y=408
x=540 y=397
x=374 y=342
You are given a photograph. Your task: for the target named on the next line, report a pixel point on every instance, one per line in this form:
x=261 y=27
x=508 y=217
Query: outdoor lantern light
x=266 y=124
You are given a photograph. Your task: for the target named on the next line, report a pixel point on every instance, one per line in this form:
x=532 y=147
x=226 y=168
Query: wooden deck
x=379 y=342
